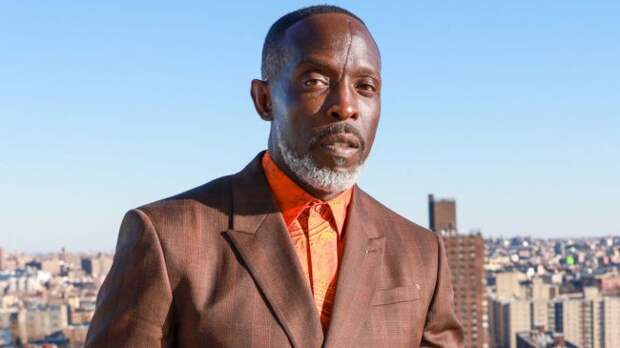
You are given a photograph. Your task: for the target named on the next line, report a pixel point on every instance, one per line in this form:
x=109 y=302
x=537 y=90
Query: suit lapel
x=261 y=238
x=363 y=251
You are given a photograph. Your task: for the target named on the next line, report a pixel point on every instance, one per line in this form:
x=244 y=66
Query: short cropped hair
x=274 y=55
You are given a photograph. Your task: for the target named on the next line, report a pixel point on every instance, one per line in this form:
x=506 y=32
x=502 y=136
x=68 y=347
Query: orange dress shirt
x=315 y=227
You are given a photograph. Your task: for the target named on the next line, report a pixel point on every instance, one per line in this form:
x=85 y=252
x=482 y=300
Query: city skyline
x=511 y=109
x=507 y=292
x=511 y=290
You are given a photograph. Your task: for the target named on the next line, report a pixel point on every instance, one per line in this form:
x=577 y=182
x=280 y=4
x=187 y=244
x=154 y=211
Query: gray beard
x=322 y=179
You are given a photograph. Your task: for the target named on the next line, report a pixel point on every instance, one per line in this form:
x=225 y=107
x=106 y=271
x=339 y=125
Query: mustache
x=337 y=128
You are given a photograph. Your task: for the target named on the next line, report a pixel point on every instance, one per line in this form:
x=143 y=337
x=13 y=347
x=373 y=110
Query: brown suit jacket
x=215 y=267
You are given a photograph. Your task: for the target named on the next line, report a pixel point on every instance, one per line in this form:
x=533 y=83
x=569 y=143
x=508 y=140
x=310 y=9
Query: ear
x=262 y=99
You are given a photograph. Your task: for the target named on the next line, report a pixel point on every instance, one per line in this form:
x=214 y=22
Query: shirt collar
x=292 y=199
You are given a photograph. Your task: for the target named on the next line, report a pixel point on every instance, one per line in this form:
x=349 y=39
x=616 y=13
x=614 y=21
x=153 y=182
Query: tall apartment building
x=442 y=214
x=509 y=317
x=46 y=320
x=611 y=326
x=590 y=322
x=586 y=319
x=33 y=323
x=466 y=260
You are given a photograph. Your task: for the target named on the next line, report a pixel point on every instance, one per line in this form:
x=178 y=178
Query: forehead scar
x=349 y=44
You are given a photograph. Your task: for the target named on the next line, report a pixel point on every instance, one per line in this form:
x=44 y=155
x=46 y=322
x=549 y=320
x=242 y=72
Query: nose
x=342 y=103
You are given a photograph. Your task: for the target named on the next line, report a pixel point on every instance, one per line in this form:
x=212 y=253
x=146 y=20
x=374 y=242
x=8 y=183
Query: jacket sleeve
x=442 y=327
x=134 y=304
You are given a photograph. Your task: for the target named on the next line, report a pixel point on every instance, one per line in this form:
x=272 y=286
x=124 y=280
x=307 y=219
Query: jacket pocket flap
x=394 y=295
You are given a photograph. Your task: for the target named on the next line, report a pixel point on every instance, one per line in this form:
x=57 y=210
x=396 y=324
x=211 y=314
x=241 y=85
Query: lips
x=341 y=144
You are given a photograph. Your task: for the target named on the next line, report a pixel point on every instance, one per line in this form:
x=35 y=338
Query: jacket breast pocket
x=395 y=295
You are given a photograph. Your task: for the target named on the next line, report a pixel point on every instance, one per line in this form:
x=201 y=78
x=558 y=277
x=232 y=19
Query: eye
x=367 y=87
x=312 y=82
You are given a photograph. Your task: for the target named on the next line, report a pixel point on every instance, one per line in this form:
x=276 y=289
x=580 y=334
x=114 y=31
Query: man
x=289 y=251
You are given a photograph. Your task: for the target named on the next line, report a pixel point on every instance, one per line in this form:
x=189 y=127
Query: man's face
x=326 y=98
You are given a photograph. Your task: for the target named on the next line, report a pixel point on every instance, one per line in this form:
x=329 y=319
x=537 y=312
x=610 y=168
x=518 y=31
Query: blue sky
x=513 y=109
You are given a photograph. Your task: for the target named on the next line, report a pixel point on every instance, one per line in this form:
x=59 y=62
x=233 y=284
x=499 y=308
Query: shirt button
x=321 y=208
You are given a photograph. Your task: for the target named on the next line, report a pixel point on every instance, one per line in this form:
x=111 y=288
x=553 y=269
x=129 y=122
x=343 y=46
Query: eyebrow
x=369 y=72
x=317 y=64
x=365 y=71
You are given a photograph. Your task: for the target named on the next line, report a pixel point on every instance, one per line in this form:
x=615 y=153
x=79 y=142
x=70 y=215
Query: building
x=41 y=321
x=611 y=325
x=466 y=260
x=508 y=285
x=542 y=339
x=442 y=214
x=585 y=319
x=97 y=266
x=51 y=265
x=509 y=317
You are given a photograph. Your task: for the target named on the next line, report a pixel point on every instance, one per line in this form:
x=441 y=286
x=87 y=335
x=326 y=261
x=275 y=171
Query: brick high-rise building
x=466 y=260
x=442 y=214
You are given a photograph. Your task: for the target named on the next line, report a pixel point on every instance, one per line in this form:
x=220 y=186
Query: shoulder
x=186 y=227
x=400 y=229
x=210 y=201
x=212 y=195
